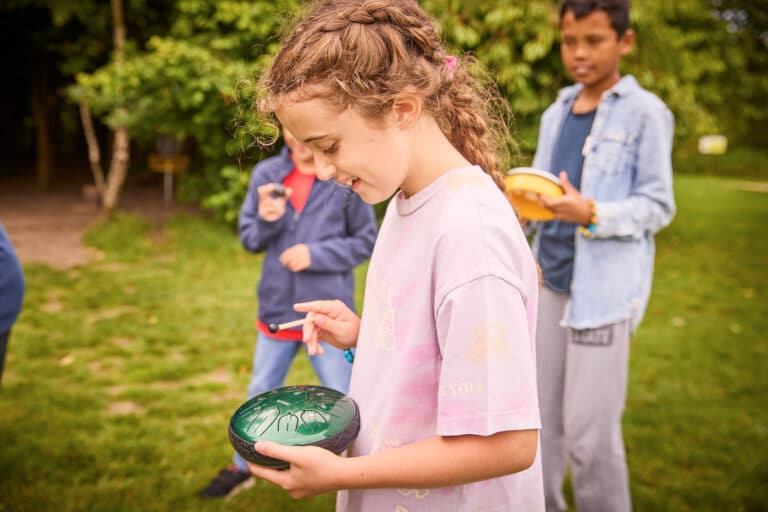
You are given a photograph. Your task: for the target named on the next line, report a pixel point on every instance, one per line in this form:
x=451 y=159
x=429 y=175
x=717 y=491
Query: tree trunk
x=94 y=156
x=118 y=30
x=45 y=149
x=118 y=166
x=118 y=169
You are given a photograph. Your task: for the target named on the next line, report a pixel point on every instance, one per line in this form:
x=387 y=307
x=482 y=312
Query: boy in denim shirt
x=610 y=141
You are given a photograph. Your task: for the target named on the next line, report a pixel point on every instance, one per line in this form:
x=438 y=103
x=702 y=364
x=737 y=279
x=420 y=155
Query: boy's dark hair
x=617 y=11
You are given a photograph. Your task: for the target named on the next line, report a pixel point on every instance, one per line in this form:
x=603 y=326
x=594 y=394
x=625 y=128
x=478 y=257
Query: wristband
x=587 y=231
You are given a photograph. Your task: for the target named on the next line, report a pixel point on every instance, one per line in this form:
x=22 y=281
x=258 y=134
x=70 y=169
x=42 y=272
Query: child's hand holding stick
x=331 y=321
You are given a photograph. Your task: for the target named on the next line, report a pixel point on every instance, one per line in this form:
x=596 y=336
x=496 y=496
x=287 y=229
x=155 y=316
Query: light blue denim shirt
x=628 y=172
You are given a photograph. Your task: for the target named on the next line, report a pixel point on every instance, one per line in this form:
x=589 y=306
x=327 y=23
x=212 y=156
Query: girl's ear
x=406 y=109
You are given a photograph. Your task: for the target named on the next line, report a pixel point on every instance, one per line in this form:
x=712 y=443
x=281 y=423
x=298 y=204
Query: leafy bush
x=193 y=84
x=226 y=202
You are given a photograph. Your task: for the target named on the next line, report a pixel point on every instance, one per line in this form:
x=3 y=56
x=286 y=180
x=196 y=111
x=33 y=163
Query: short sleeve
x=487 y=378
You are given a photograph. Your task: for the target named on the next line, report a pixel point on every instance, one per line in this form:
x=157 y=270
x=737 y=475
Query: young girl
x=444 y=372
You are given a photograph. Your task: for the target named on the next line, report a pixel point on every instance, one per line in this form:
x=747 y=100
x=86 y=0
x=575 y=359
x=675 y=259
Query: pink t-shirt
x=446 y=343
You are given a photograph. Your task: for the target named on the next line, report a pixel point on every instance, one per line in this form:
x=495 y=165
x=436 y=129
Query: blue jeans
x=272 y=359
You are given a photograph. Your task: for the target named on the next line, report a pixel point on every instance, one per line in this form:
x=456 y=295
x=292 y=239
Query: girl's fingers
x=328 y=324
x=326 y=307
x=314 y=348
x=309 y=329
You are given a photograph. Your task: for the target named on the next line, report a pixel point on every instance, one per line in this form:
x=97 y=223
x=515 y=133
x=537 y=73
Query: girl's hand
x=332 y=322
x=271 y=208
x=571 y=206
x=312 y=470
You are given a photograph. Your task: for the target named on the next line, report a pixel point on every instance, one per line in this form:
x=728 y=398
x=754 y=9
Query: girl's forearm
x=441 y=461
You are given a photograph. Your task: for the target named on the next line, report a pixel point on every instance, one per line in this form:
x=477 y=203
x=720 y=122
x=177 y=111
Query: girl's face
x=591 y=50
x=370 y=156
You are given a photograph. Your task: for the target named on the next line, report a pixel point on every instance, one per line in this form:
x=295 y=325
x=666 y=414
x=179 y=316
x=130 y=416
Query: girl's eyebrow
x=310 y=139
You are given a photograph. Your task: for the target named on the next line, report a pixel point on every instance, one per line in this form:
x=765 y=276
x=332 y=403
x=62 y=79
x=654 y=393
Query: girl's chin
x=368 y=195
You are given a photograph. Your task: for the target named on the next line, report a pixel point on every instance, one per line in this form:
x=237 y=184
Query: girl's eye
x=331 y=149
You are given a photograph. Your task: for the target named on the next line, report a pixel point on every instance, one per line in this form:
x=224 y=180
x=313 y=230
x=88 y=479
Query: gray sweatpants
x=582 y=377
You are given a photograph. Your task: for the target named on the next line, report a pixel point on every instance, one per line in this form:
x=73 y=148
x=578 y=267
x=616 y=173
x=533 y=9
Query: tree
x=190 y=83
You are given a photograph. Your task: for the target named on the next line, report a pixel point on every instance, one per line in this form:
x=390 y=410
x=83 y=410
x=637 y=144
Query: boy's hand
x=520 y=219
x=312 y=470
x=296 y=258
x=271 y=208
x=571 y=206
x=332 y=322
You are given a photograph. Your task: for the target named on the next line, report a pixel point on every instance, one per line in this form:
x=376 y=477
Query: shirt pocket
x=612 y=154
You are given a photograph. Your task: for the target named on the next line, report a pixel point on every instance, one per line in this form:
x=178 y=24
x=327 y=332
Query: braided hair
x=363 y=53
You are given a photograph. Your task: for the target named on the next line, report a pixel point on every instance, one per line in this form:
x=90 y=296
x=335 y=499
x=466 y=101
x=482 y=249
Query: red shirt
x=286 y=335
x=300 y=185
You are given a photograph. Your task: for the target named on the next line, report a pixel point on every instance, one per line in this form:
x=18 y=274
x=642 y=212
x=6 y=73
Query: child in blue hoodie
x=313 y=233
x=11 y=292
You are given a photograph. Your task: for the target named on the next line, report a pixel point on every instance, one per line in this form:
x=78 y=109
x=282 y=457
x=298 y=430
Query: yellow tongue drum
x=523 y=185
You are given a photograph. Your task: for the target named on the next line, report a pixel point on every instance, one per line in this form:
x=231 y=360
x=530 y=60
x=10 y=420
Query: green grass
x=742 y=162
x=696 y=422
x=121 y=375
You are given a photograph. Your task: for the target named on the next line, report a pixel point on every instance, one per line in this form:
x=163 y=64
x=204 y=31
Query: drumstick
x=273 y=328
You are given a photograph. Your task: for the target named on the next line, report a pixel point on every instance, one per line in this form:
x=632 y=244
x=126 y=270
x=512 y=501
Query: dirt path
x=48 y=227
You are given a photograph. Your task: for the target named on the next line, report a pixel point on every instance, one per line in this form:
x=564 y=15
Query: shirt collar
x=624 y=86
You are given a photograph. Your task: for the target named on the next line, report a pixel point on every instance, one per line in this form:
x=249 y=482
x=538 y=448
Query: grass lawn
x=121 y=376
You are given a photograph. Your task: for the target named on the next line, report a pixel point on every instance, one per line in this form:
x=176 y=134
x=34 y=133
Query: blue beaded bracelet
x=587 y=231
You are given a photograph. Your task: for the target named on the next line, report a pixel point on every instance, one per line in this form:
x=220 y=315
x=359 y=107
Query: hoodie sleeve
x=341 y=254
x=255 y=233
x=11 y=283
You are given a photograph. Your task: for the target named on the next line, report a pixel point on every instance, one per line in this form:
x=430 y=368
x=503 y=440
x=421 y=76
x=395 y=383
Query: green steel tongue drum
x=295 y=416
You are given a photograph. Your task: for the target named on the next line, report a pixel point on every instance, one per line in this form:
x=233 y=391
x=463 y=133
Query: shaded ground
x=47 y=227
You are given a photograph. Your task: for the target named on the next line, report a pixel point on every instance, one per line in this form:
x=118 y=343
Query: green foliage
x=176 y=88
x=516 y=43
x=686 y=53
x=710 y=73
x=195 y=84
x=707 y=59
x=227 y=201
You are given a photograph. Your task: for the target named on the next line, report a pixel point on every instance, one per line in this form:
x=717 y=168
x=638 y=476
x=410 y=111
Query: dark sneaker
x=229 y=482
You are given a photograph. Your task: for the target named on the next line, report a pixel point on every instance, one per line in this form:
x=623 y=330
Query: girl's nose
x=324 y=169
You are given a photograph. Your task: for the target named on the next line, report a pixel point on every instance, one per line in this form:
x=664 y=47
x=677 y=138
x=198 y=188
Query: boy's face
x=300 y=152
x=591 y=49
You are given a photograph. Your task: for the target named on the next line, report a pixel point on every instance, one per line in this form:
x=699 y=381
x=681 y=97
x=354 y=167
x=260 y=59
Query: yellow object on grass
x=523 y=185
